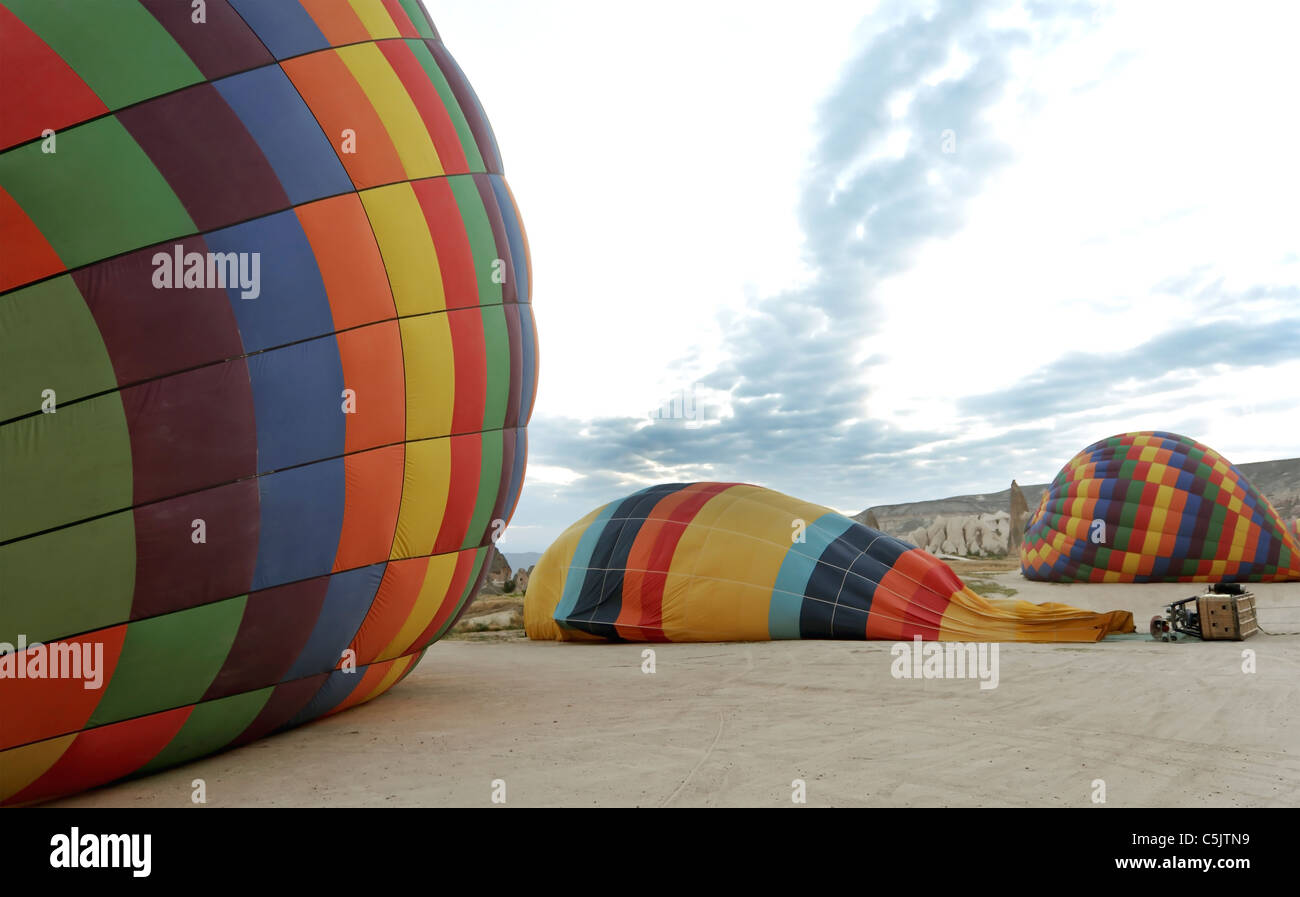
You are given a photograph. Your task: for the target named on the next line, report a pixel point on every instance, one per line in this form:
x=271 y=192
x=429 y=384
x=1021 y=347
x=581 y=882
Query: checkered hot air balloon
x=1156 y=507
x=267 y=358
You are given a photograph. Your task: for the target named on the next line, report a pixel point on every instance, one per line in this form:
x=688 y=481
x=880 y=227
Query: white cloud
x=660 y=158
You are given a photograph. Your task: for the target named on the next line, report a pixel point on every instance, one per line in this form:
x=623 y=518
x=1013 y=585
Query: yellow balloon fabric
x=701 y=562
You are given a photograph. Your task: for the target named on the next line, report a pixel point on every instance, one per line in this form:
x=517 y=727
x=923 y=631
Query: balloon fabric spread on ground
x=1156 y=507
x=731 y=562
x=268 y=356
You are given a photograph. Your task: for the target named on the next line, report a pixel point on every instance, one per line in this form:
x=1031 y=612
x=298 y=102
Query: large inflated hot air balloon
x=731 y=562
x=267 y=358
x=1156 y=507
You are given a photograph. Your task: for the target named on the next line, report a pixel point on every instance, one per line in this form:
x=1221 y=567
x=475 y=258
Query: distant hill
x=897 y=520
x=1278 y=481
x=522 y=560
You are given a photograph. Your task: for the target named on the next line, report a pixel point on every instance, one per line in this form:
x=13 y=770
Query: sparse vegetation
x=978 y=566
x=498 y=614
x=989 y=587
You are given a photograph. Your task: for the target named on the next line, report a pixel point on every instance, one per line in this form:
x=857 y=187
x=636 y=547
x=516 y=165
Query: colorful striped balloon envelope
x=1156 y=507
x=268 y=355
x=694 y=562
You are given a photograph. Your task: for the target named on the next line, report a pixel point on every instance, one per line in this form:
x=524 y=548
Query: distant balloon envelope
x=1156 y=507
x=692 y=562
x=267 y=357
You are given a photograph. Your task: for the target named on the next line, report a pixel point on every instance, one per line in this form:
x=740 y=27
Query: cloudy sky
x=866 y=254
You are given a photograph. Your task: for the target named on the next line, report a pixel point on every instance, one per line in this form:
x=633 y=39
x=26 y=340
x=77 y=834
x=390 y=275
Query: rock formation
x=500 y=571
x=1019 y=518
x=977 y=535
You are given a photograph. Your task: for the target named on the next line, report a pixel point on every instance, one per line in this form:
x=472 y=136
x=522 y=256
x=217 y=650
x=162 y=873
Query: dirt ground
x=734 y=724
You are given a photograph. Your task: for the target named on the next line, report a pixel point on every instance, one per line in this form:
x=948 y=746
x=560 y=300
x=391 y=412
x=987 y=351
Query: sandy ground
x=733 y=725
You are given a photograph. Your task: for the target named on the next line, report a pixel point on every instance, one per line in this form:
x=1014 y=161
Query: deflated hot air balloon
x=267 y=359
x=731 y=562
x=1156 y=507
